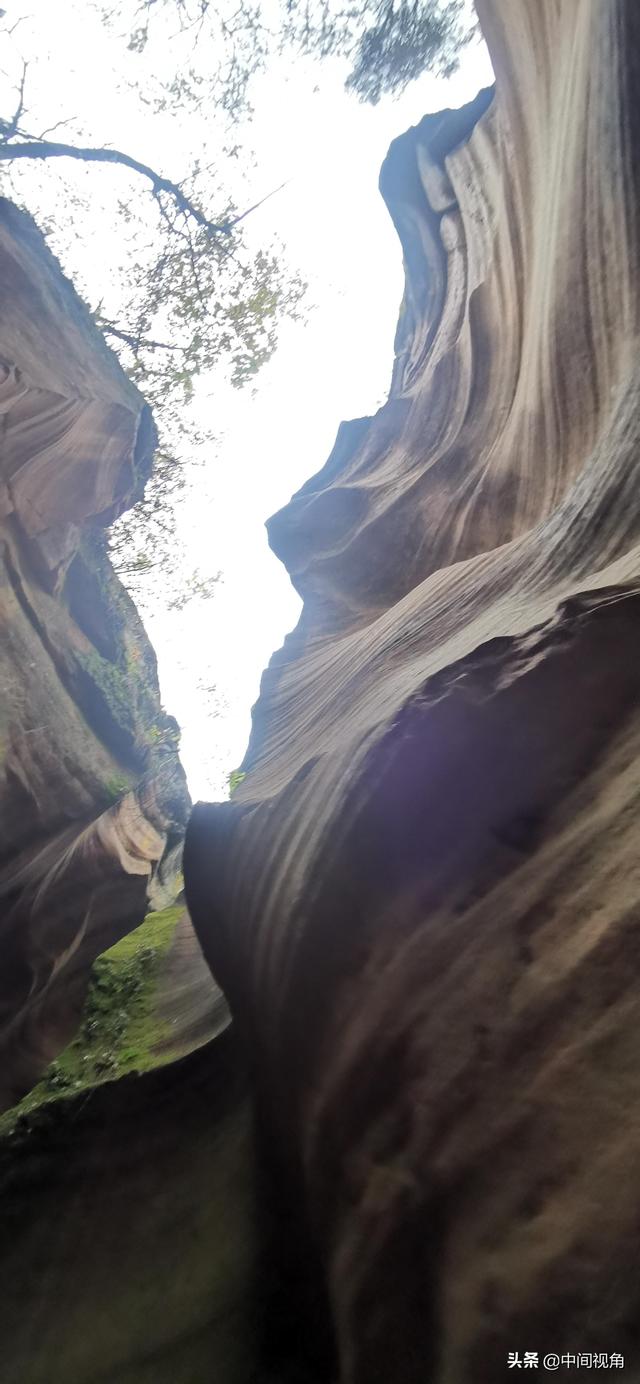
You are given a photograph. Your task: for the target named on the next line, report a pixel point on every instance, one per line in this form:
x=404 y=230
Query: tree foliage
x=216 y=306
x=197 y=301
x=405 y=37
x=200 y=298
x=387 y=43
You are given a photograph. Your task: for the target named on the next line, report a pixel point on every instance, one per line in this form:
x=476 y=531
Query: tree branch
x=48 y=149
x=135 y=342
x=66 y=121
x=238 y=219
x=8 y=128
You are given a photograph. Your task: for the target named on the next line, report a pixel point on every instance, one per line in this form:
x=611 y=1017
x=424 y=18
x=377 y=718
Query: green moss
x=156 y=931
x=120 y=1029
x=234 y=779
x=116 y=786
x=112 y=683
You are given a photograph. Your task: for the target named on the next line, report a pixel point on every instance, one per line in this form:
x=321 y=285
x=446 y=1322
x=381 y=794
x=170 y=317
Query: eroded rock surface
x=423 y=902
x=128 y=1232
x=92 y=796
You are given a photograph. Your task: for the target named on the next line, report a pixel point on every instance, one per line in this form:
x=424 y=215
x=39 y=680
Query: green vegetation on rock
x=112 y=683
x=234 y=779
x=120 y=1030
x=116 y=786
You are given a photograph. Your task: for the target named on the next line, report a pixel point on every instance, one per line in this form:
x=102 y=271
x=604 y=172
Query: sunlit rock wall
x=92 y=797
x=424 y=899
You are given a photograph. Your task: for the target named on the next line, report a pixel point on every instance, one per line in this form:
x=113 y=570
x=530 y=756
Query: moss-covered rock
x=121 y=1030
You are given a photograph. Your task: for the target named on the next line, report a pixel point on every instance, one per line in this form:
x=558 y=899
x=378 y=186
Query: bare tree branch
x=67 y=121
x=8 y=128
x=238 y=219
x=135 y=342
x=194 y=270
x=10 y=31
x=47 y=149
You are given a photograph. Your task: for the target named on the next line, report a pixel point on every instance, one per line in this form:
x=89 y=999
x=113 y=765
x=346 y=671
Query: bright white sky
x=335 y=365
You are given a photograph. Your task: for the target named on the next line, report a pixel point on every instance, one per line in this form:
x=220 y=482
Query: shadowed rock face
x=128 y=1232
x=81 y=723
x=423 y=902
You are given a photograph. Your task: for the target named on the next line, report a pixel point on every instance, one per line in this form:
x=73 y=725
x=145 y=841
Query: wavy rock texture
x=92 y=806
x=423 y=902
x=187 y=998
x=128 y=1239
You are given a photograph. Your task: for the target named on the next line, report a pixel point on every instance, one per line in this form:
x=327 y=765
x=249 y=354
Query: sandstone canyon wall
x=93 y=799
x=423 y=901
x=127 y=1218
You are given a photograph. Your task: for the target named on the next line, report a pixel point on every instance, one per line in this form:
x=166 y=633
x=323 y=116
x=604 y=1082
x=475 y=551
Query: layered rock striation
x=93 y=799
x=129 y=1239
x=423 y=900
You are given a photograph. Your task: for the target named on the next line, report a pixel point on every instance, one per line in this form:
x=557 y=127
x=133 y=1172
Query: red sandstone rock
x=79 y=854
x=423 y=902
